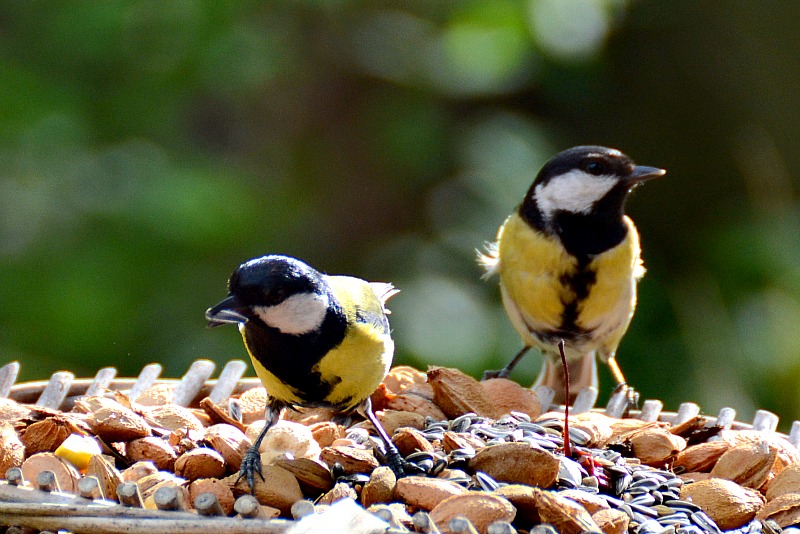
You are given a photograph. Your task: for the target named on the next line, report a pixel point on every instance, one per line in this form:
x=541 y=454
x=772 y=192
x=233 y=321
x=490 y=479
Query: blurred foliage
x=147 y=148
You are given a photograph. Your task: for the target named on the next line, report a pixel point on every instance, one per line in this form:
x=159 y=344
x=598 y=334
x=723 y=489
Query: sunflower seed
x=683 y=505
x=705 y=523
x=486 y=482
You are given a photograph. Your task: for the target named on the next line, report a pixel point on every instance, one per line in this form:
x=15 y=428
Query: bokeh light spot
x=569 y=30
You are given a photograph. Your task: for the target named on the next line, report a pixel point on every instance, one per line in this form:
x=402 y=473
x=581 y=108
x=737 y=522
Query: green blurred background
x=147 y=148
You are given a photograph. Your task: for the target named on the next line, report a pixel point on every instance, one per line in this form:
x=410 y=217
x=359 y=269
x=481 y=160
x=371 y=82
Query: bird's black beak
x=642 y=174
x=226 y=312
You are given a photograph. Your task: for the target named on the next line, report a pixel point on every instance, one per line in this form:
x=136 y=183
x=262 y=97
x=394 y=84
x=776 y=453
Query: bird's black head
x=584 y=180
x=579 y=195
x=269 y=280
x=263 y=283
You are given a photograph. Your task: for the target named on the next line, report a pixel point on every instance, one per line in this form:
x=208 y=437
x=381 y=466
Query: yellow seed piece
x=78 y=450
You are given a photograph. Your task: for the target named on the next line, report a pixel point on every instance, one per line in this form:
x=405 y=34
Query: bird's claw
x=623 y=399
x=630 y=394
x=399 y=465
x=251 y=464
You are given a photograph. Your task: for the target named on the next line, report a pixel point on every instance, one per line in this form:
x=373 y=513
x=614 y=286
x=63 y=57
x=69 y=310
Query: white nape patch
x=574 y=191
x=298 y=314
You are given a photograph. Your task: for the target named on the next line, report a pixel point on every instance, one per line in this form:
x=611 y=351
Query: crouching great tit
x=568 y=260
x=314 y=340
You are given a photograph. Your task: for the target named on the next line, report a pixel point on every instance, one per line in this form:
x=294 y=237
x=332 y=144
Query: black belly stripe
x=577 y=286
x=583 y=236
x=292 y=358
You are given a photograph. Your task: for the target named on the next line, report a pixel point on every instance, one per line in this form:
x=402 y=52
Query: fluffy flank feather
x=489 y=260
x=638 y=269
x=384 y=291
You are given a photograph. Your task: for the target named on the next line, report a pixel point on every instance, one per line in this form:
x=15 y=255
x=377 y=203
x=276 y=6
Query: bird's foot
x=399 y=465
x=251 y=465
x=623 y=398
x=500 y=373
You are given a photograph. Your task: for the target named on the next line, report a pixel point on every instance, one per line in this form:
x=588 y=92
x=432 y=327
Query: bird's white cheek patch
x=575 y=191
x=298 y=314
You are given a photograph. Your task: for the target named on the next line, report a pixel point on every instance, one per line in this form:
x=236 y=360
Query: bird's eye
x=595 y=167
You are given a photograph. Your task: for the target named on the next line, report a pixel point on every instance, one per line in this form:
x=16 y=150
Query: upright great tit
x=314 y=340
x=568 y=260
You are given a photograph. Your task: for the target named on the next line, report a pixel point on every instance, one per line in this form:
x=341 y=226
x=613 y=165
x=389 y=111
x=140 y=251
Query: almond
x=156 y=395
x=426 y=493
x=230 y=442
x=219 y=488
x=200 y=463
x=391 y=420
x=504 y=462
x=150 y=481
x=288 y=440
x=11 y=410
x=457 y=393
x=524 y=500
x=152 y=449
x=118 y=423
x=380 y=488
x=409 y=402
x=107 y=475
x=313 y=476
x=278 y=489
x=172 y=417
x=66 y=473
x=252 y=404
x=591 y=502
x=337 y=493
x=12 y=450
x=784 y=510
x=701 y=457
x=787 y=454
x=403 y=377
x=747 y=464
x=727 y=503
x=481 y=509
x=409 y=440
x=508 y=396
x=353 y=460
x=655 y=446
x=567 y=516
x=787 y=481
x=47 y=435
x=612 y=521
x=326 y=432
x=139 y=470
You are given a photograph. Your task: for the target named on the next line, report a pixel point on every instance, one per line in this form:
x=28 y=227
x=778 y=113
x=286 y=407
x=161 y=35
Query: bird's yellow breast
x=548 y=293
x=356 y=366
x=365 y=355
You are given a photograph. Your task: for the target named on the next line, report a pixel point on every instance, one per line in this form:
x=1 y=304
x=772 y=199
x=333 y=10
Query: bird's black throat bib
x=291 y=358
x=583 y=235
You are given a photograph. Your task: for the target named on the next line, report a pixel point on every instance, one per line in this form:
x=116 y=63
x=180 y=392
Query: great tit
x=569 y=260
x=314 y=340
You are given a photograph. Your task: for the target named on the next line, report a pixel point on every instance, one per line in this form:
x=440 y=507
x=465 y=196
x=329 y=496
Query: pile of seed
x=481 y=456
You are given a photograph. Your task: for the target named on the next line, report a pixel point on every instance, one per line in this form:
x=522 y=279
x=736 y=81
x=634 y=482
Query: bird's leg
x=565 y=367
x=393 y=458
x=505 y=371
x=622 y=387
x=251 y=463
